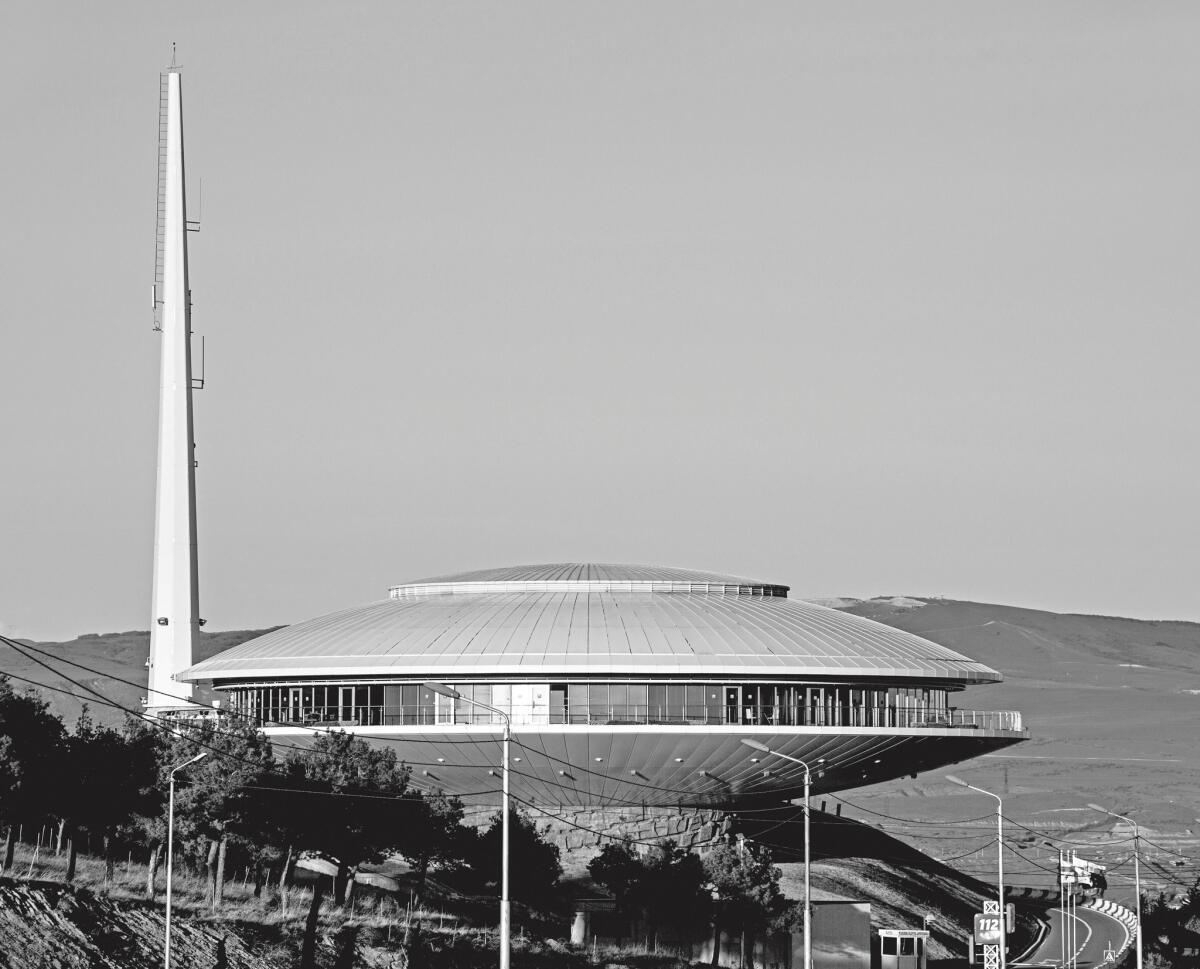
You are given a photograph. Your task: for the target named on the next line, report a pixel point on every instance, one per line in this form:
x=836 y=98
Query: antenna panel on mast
x=161 y=227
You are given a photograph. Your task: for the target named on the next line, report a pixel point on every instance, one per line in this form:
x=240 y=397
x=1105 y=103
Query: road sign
x=989 y=929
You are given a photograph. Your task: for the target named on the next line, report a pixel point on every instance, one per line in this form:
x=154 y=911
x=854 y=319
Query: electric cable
x=178 y=728
x=477 y=742
x=472 y=740
x=914 y=821
x=200 y=707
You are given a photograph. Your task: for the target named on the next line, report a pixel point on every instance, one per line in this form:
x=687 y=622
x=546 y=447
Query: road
x=1096 y=935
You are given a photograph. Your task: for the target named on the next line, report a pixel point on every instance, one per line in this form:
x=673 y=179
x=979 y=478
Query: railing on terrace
x=755 y=716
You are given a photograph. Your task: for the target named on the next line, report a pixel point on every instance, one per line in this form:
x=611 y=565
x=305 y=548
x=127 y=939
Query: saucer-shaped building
x=624 y=685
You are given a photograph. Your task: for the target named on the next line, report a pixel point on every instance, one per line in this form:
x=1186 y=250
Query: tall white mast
x=175 y=621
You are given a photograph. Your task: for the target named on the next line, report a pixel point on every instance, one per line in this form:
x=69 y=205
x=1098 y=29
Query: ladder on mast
x=161 y=230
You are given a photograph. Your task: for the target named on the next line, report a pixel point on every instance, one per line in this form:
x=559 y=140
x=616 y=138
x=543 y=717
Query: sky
x=864 y=298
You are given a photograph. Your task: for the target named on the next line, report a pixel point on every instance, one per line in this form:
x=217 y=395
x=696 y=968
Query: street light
x=999 y=861
x=1137 y=875
x=170 y=847
x=755 y=745
x=505 y=920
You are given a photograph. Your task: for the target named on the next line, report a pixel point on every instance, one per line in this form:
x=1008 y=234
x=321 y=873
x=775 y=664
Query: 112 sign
x=989 y=929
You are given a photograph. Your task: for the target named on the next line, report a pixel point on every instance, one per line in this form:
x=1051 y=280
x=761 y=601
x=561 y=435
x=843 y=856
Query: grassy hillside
x=1113 y=709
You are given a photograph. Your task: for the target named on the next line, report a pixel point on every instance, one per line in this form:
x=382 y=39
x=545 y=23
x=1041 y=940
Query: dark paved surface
x=1094 y=936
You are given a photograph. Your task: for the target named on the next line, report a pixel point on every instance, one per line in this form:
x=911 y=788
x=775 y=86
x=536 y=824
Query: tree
x=31 y=752
x=534 y=867
x=620 y=870
x=109 y=780
x=435 y=834
x=745 y=888
x=1171 y=929
x=676 y=892
x=356 y=804
x=663 y=887
x=218 y=807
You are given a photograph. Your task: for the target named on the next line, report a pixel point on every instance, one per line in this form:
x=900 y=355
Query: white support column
x=175 y=617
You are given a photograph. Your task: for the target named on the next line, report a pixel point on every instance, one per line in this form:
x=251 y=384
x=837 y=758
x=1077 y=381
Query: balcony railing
x=730 y=716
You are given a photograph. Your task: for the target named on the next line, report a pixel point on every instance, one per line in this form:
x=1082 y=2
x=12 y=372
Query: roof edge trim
x=657 y=586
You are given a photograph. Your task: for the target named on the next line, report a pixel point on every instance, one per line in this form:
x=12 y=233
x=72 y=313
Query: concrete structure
x=175 y=618
x=841 y=935
x=625 y=684
x=903 y=948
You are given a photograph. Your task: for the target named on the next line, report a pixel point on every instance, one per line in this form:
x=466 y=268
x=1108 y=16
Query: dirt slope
x=852 y=860
x=45 y=926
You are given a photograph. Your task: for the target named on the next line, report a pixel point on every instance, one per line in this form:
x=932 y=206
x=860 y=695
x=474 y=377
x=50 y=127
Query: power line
x=178 y=728
x=180 y=725
x=200 y=707
x=914 y=821
x=1169 y=851
x=477 y=742
x=303 y=790
x=319 y=731
x=1068 y=841
x=659 y=789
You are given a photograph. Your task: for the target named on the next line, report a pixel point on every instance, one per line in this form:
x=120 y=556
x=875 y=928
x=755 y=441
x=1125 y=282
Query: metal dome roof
x=569 y=620
x=588 y=577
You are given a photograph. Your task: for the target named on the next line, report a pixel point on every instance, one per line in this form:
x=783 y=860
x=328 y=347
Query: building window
x=744 y=704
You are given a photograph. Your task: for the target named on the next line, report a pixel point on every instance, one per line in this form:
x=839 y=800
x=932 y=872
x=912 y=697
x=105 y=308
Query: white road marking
x=1105 y=760
x=1085 y=940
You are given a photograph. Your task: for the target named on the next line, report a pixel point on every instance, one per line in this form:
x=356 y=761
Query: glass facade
x=699 y=703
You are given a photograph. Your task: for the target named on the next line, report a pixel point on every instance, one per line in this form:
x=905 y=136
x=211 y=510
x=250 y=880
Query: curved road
x=1096 y=935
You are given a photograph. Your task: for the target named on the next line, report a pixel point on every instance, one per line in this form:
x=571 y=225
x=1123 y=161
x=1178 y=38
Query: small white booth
x=903 y=948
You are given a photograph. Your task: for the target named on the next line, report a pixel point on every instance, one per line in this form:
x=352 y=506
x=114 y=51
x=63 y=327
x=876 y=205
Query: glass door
x=816 y=707
x=731 y=704
x=293 y=707
x=346 y=704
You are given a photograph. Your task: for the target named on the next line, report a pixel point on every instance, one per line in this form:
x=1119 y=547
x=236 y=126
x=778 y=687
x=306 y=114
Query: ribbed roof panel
x=588 y=621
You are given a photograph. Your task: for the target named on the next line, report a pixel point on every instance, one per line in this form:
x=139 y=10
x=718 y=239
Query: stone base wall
x=581 y=833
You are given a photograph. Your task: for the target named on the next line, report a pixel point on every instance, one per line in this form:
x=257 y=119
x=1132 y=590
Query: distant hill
x=120 y=662
x=1113 y=710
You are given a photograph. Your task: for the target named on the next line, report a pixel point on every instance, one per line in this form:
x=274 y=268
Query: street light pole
x=170 y=849
x=754 y=744
x=999 y=862
x=505 y=908
x=1137 y=874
